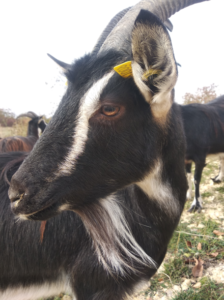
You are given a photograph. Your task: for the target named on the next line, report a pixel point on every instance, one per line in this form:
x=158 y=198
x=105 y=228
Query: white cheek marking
x=159 y=191
x=36 y=291
x=88 y=105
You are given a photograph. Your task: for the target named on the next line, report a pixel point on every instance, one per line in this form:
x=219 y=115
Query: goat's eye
x=110 y=110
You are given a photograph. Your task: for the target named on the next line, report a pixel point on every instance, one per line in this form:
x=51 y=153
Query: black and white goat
x=204 y=130
x=112 y=156
x=21 y=143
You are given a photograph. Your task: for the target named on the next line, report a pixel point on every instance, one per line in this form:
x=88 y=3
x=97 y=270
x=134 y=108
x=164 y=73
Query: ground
x=194 y=265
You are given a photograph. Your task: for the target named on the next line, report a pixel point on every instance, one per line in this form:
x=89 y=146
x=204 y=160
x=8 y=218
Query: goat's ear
x=66 y=68
x=153 y=66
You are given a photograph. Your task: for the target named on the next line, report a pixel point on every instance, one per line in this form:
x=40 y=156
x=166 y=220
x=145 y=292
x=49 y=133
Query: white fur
x=88 y=105
x=221 y=170
x=122 y=230
x=64 y=207
x=159 y=191
x=137 y=75
x=117 y=229
x=34 y=292
x=189 y=191
x=161 y=102
x=199 y=200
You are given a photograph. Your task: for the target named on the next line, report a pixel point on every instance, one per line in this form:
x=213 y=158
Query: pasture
x=194 y=238
x=6 y=131
x=20 y=128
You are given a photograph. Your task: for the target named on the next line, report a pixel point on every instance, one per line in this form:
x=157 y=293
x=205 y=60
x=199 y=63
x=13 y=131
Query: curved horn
x=29 y=114
x=163 y=9
x=113 y=22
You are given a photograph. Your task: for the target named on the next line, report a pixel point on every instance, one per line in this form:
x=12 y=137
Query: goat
x=204 y=130
x=20 y=143
x=113 y=157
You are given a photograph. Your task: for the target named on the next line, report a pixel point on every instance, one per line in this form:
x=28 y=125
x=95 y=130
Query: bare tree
x=203 y=95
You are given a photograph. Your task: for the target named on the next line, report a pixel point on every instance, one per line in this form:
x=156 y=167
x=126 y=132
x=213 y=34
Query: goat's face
x=108 y=130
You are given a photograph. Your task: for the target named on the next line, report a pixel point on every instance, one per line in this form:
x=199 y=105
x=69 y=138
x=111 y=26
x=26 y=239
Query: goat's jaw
x=45 y=213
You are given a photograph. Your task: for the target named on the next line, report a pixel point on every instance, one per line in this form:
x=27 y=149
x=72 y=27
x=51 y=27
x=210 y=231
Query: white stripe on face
x=88 y=105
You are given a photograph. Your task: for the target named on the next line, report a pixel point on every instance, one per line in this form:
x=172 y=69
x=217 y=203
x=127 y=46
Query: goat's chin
x=42 y=215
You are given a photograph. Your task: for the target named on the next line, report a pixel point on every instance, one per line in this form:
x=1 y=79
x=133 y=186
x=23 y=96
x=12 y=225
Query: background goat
x=21 y=143
x=204 y=130
x=112 y=155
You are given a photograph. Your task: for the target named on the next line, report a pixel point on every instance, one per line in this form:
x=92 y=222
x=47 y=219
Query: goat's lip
x=51 y=209
x=45 y=213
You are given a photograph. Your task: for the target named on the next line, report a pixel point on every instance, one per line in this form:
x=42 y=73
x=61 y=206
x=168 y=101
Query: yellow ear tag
x=124 y=70
x=150 y=72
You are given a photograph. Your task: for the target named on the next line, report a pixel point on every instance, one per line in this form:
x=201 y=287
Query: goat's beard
x=114 y=244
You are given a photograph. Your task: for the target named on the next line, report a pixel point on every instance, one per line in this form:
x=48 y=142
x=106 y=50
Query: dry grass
x=20 y=128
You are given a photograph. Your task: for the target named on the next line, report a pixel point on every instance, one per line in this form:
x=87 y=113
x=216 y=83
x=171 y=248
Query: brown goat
x=20 y=143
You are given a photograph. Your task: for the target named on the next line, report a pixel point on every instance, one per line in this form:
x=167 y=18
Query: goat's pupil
x=110 y=110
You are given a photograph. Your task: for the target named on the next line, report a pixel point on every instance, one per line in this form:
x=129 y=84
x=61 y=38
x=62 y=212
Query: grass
x=20 y=128
x=220 y=189
x=178 y=243
x=206 y=194
x=208 y=291
x=6 y=131
x=177 y=269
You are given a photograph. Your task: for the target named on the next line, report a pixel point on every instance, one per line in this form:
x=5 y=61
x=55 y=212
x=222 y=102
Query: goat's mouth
x=46 y=212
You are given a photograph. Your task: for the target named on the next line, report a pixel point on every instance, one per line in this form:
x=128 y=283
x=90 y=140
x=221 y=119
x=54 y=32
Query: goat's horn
x=66 y=67
x=163 y=9
x=29 y=114
x=113 y=22
x=168 y=25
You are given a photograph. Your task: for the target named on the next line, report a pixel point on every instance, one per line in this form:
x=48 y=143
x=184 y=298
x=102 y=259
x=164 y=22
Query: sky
x=68 y=29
